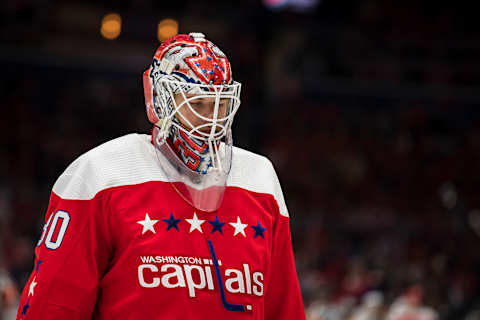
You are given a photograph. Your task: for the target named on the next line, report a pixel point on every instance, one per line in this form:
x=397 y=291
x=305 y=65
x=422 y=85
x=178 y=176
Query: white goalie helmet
x=191 y=99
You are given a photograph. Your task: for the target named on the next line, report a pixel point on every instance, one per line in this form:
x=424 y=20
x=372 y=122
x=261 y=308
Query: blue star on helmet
x=259 y=230
x=204 y=70
x=209 y=58
x=172 y=222
x=217 y=225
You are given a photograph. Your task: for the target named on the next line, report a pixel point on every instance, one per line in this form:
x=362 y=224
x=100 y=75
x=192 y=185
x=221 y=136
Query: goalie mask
x=191 y=99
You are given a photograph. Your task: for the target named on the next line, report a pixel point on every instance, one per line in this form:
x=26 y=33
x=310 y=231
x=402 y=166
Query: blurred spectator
x=410 y=306
x=371 y=308
x=8 y=297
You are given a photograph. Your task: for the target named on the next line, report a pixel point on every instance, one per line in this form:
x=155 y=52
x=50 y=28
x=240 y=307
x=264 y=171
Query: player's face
x=204 y=106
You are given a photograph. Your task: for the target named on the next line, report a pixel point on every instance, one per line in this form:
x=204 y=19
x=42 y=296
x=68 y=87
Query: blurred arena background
x=368 y=109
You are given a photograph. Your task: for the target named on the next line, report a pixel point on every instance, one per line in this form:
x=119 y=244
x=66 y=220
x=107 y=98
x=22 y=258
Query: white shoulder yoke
x=126 y=160
x=256 y=173
x=131 y=159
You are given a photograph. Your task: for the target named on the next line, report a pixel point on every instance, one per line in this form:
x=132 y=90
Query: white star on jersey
x=195 y=223
x=147 y=224
x=239 y=227
x=32 y=287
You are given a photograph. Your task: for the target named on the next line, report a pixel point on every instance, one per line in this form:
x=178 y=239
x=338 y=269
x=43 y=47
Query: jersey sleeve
x=283 y=298
x=72 y=254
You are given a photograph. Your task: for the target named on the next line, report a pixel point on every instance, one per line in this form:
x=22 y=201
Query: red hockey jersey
x=120 y=243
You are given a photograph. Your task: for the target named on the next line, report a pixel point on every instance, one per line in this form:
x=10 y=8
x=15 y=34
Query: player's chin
x=208 y=130
x=204 y=131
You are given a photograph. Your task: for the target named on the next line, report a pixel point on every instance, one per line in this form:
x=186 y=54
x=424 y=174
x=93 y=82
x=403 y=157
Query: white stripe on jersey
x=131 y=159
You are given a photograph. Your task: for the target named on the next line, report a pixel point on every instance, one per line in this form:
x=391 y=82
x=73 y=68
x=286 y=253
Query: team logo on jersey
x=201 y=273
x=196 y=273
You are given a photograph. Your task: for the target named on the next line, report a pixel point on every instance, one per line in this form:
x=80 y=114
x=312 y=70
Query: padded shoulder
x=126 y=160
x=254 y=172
x=131 y=159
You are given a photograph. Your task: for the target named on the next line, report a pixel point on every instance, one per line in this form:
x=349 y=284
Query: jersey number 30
x=55 y=235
